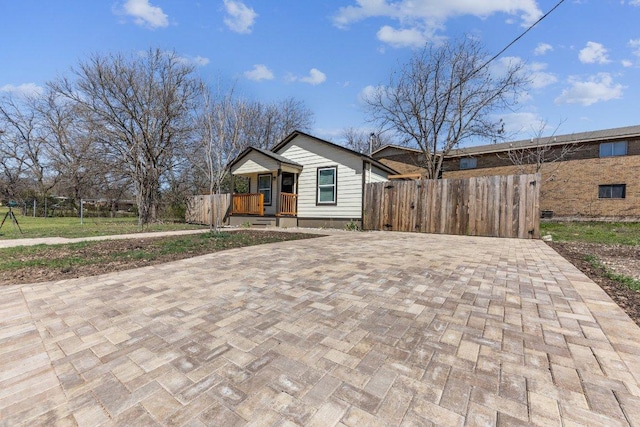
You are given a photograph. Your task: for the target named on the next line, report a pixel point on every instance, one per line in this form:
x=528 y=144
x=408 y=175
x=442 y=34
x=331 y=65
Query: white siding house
x=325 y=182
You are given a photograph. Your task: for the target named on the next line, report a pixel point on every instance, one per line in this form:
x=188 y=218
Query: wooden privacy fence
x=499 y=206
x=199 y=208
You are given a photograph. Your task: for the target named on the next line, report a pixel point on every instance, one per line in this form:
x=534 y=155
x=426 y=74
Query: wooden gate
x=499 y=206
x=199 y=209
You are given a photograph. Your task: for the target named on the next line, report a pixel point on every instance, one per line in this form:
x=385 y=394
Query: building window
x=264 y=187
x=610 y=149
x=612 y=191
x=327 y=185
x=468 y=163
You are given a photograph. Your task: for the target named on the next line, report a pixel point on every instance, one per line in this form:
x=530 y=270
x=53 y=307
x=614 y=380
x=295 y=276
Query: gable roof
x=365 y=157
x=270 y=154
x=387 y=147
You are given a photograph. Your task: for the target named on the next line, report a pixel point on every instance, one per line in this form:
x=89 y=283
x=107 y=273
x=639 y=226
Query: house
x=303 y=181
x=588 y=174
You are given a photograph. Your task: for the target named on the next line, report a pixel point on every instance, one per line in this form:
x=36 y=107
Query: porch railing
x=288 y=204
x=248 y=204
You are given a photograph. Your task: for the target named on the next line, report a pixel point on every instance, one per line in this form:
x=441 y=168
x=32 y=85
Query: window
x=610 y=149
x=468 y=163
x=612 y=191
x=264 y=187
x=327 y=185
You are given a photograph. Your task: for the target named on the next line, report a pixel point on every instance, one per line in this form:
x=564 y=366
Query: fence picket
x=502 y=206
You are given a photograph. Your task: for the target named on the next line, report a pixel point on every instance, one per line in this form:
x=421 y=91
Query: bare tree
x=531 y=157
x=140 y=107
x=13 y=164
x=364 y=141
x=444 y=96
x=221 y=124
x=23 y=146
x=268 y=124
x=69 y=147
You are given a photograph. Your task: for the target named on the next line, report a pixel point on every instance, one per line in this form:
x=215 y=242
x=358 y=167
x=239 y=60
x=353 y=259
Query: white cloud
x=635 y=45
x=539 y=77
x=370 y=92
x=542 y=49
x=241 y=18
x=593 y=53
x=516 y=125
x=411 y=37
x=199 y=61
x=536 y=72
x=597 y=88
x=259 y=72
x=425 y=17
x=25 y=89
x=634 y=2
x=314 y=78
x=626 y=63
x=145 y=14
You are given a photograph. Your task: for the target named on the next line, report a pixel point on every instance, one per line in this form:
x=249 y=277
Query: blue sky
x=584 y=57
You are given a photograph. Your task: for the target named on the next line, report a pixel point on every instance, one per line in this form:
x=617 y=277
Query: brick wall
x=571 y=188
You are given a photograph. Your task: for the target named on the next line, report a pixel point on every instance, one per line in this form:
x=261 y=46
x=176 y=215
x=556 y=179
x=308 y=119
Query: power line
x=519 y=37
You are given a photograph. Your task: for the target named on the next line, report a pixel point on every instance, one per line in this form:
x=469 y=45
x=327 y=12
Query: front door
x=288 y=183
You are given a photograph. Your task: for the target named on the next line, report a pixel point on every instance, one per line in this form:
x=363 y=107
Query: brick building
x=589 y=174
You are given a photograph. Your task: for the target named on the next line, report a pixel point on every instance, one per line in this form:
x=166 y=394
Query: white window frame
x=263 y=190
x=334 y=185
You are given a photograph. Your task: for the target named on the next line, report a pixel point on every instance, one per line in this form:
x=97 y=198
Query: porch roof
x=257 y=160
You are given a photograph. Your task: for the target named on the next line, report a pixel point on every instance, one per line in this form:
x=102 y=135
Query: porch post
x=232 y=190
x=278 y=188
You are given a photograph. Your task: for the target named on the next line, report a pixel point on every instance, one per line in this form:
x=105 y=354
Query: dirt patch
x=108 y=256
x=620 y=259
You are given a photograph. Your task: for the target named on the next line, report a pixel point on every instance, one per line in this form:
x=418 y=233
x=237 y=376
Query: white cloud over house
x=520 y=122
x=259 y=72
x=419 y=20
x=144 y=14
x=240 y=18
x=593 y=53
x=597 y=88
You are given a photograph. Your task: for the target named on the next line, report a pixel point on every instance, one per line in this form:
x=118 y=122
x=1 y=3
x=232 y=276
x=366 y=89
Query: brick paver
x=347 y=330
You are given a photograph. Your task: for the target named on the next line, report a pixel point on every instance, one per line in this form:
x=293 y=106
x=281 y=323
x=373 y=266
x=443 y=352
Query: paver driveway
x=355 y=329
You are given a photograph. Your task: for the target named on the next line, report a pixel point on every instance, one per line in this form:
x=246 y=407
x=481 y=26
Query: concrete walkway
x=354 y=329
x=9 y=243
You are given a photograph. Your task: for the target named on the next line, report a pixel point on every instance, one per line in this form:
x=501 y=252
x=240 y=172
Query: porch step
x=263 y=222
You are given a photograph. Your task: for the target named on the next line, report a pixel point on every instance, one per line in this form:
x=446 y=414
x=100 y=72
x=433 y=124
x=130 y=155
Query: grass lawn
x=71 y=227
x=609 y=233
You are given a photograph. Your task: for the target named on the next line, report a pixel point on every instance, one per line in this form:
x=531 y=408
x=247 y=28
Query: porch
x=254 y=204
x=272 y=189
